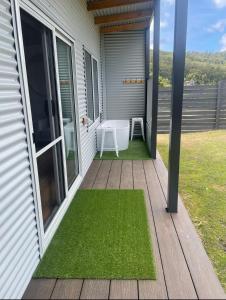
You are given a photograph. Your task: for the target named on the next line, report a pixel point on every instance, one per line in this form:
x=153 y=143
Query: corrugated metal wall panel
x=88 y=135
x=19 y=249
x=124 y=60
x=74 y=18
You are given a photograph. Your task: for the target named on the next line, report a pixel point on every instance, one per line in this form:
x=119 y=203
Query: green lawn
x=203 y=188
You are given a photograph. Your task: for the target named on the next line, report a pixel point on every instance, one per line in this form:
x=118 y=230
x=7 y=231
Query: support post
x=220 y=97
x=147 y=72
x=155 y=84
x=180 y=32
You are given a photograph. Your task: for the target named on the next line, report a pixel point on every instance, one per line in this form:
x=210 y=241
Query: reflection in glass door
x=64 y=58
x=38 y=48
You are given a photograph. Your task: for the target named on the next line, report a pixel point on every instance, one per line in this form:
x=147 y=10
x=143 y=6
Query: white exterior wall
x=19 y=239
x=123 y=59
x=72 y=16
x=19 y=247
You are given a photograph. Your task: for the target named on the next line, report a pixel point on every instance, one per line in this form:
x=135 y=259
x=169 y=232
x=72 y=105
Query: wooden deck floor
x=184 y=271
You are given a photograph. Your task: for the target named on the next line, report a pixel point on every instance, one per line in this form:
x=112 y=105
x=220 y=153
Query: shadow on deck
x=184 y=270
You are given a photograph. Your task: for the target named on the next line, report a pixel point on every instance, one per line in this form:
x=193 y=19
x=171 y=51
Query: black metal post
x=155 y=83
x=147 y=71
x=147 y=53
x=180 y=33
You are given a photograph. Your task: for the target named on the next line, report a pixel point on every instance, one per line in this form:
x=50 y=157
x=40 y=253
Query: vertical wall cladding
x=124 y=72
x=73 y=17
x=19 y=249
x=88 y=135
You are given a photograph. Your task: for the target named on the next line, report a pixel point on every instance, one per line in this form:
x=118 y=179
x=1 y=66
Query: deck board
x=90 y=177
x=127 y=175
x=149 y=289
x=40 y=289
x=102 y=175
x=123 y=289
x=199 y=265
x=67 y=289
x=183 y=267
x=178 y=280
x=115 y=175
x=95 y=289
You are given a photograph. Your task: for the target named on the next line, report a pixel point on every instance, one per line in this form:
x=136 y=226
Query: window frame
x=74 y=104
x=93 y=58
x=98 y=90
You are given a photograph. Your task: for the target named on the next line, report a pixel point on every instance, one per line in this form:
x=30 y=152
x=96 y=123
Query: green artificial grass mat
x=104 y=235
x=137 y=150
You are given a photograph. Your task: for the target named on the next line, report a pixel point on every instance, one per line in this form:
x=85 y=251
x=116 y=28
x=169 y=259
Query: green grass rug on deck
x=104 y=235
x=137 y=150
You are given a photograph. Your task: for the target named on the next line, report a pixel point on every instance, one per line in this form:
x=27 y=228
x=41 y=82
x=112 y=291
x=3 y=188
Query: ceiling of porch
x=121 y=15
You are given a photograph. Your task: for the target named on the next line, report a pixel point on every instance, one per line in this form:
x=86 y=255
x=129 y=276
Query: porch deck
x=184 y=270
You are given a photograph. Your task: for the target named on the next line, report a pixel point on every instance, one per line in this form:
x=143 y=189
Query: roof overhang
x=121 y=15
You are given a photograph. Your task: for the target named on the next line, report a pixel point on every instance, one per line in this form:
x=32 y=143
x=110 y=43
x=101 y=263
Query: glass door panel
x=38 y=48
x=51 y=182
x=68 y=108
x=39 y=57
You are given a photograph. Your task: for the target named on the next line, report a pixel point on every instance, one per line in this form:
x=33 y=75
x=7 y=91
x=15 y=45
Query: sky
x=206 y=25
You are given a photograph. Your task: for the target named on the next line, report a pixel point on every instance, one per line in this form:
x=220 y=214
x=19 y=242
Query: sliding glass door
x=64 y=58
x=52 y=142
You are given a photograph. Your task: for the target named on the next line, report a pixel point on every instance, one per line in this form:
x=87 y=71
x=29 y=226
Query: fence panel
x=204 y=108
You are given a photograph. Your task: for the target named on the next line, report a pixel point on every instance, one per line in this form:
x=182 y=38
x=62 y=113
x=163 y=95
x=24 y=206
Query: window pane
x=89 y=87
x=51 y=182
x=68 y=109
x=95 y=88
x=41 y=80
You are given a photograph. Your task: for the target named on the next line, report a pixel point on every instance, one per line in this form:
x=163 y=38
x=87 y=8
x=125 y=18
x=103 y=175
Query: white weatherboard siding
x=19 y=241
x=124 y=59
x=72 y=16
x=19 y=249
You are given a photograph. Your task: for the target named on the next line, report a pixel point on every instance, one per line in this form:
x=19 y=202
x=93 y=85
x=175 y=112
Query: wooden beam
x=101 y=4
x=126 y=27
x=125 y=16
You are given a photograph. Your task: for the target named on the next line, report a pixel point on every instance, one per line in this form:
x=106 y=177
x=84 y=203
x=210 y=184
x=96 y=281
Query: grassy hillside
x=202 y=67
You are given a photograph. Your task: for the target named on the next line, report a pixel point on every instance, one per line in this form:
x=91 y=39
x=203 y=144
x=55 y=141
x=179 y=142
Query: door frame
x=45 y=237
x=71 y=44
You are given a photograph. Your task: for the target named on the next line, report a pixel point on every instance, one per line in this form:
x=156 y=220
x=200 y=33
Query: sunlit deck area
x=184 y=270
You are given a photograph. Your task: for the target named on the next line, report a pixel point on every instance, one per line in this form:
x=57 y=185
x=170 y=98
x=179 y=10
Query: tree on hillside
x=201 y=67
